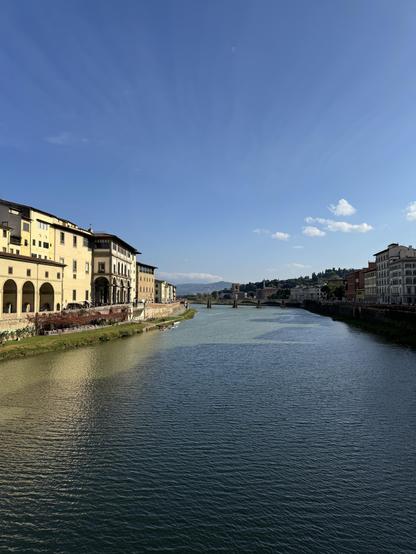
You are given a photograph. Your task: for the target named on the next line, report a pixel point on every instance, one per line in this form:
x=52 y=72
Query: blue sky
x=197 y=130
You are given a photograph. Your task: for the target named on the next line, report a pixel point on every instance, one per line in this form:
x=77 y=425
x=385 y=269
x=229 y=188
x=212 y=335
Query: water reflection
x=280 y=431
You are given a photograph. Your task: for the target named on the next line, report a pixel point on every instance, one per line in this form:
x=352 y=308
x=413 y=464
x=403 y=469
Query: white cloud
x=411 y=211
x=279 y=235
x=343 y=208
x=298 y=265
x=298 y=247
x=261 y=231
x=190 y=277
x=340 y=226
x=65 y=138
x=310 y=231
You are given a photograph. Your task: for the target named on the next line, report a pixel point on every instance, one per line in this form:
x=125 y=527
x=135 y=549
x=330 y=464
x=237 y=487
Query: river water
x=271 y=430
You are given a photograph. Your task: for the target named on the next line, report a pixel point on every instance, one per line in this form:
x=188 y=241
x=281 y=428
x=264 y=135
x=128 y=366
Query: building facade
x=384 y=259
x=32 y=233
x=114 y=270
x=29 y=285
x=403 y=281
x=145 y=282
x=354 y=286
x=301 y=293
x=164 y=292
x=370 y=284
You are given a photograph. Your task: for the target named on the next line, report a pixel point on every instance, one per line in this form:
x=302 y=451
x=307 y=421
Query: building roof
x=76 y=230
x=20 y=258
x=147 y=265
x=391 y=245
x=25 y=209
x=102 y=235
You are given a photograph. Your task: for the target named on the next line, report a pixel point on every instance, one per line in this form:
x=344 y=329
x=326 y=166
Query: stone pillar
x=19 y=298
x=36 y=306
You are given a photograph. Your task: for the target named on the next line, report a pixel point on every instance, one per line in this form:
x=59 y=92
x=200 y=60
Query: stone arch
x=46 y=297
x=28 y=297
x=101 y=291
x=9 y=297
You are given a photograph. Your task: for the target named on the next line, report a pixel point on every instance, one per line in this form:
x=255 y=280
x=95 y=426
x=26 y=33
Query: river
x=272 y=430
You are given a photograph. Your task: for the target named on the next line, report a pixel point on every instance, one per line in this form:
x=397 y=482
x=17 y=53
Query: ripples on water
x=240 y=431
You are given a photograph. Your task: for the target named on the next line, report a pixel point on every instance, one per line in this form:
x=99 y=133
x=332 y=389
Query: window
x=86 y=242
x=11 y=251
x=86 y=295
x=74 y=295
x=4 y=233
x=26 y=242
x=62 y=261
x=17 y=252
x=74 y=241
x=10 y=270
x=40 y=243
x=87 y=267
x=46 y=274
x=42 y=225
x=46 y=245
x=62 y=237
x=74 y=266
x=58 y=275
x=101 y=267
x=28 y=272
x=34 y=242
x=26 y=227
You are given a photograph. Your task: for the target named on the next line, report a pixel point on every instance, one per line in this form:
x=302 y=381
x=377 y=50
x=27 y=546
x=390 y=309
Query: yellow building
x=145 y=282
x=29 y=232
x=29 y=285
x=114 y=270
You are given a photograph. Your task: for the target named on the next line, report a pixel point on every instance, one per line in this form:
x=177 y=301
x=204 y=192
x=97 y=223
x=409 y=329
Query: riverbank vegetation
x=32 y=346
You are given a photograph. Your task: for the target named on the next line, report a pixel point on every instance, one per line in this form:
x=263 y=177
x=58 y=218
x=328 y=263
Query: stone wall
x=157 y=311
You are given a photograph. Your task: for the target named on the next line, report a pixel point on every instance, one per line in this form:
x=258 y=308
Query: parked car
x=74 y=306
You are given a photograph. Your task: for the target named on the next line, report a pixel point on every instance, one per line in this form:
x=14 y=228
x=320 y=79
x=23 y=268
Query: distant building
x=165 y=292
x=301 y=293
x=402 y=274
x=354 y=286
x=264 y=292
x=370 y=283
x=145 y=282
x=384 y=259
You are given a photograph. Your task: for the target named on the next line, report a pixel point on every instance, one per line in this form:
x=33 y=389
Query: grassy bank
x=39 y=345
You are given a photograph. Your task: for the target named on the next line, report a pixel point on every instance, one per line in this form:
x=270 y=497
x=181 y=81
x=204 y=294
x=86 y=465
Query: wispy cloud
x=279 y=235
x=340 y=226
x=298 y=265
x=65 y=139
x=311 y=231
x=190 y=277
x=298 y=247
x=342 y=208
x=411 y=211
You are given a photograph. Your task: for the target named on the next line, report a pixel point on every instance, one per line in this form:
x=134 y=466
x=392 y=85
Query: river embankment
x=395 y=323
x=33 y=346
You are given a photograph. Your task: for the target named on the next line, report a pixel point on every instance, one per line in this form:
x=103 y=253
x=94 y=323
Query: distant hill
x=200 y=288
